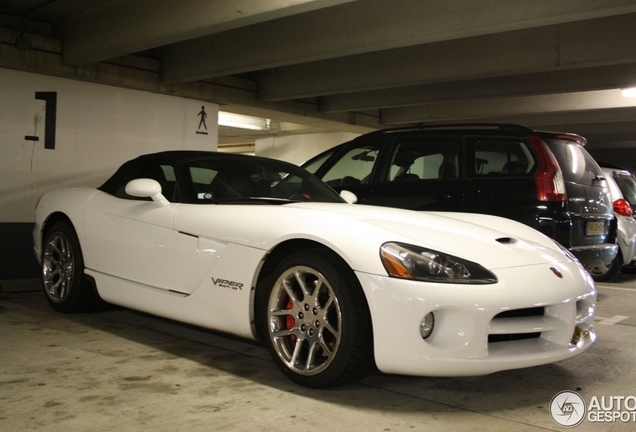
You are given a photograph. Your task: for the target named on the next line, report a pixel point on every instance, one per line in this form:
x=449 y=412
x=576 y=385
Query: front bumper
x=594 y=256
x=475 y=333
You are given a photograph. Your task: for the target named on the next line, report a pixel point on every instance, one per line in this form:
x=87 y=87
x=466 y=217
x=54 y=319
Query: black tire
x=314 y=318
x=629 y=268
x=65 y=285
x=605 y=273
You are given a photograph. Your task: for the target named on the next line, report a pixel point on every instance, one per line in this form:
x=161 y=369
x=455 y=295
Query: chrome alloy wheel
x=304 y=320
x=58 y=267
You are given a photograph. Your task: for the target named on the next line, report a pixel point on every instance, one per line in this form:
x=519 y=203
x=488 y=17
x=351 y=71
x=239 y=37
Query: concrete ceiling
x=327 y=65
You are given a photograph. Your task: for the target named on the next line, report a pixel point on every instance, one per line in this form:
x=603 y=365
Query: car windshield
x=232 y=180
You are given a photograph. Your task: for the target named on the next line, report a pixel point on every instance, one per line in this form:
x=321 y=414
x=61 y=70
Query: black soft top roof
x=175 y=158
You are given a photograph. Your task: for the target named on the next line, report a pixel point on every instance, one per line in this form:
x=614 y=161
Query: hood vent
x=506 y=240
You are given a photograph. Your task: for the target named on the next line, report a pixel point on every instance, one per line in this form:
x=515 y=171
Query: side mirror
x=147 y=188
x=349 y=197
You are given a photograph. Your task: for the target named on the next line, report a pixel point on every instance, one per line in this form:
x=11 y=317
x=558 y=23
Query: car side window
x=354 y=167
x=163 y=173
x=425 y=158
x=502 y=158
x=627 y=185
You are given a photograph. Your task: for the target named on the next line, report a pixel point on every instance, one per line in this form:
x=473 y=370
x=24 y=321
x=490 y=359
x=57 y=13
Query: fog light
x=426 y=326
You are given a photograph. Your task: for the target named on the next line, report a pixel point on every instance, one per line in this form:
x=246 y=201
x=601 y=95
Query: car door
x=134 y=239
x=500 y=178
x=423 y=173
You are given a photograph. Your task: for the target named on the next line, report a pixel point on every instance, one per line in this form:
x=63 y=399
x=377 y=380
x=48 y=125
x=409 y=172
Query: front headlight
x=413 y=262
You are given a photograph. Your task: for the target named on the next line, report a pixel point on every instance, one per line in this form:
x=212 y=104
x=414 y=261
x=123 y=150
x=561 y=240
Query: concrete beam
x=589 y=43
x=365 y=26
x=504 y=107
x=570 y=80
x=562 y=121
x=125 y=27
x=142 y=73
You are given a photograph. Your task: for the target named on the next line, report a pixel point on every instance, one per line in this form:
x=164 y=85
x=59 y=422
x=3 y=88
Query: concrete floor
x=125 y=371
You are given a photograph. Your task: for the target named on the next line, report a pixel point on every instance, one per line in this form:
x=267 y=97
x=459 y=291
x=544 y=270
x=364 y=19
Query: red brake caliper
x=290 y=322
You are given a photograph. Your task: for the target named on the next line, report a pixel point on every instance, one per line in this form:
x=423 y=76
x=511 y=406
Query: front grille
x=511 y=337
x=507 y=318
x=527 y=312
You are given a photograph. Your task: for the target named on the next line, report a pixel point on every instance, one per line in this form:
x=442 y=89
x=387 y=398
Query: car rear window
x=576 y=163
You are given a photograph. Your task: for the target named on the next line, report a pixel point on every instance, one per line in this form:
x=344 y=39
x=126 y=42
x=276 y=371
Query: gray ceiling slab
x=126 y=27
x=349 y=65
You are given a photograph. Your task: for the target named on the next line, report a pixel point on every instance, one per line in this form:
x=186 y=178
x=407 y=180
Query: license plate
x=579 y=335
x=595 y=228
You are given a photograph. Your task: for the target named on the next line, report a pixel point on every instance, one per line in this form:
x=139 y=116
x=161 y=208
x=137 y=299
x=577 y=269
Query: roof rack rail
x=420 y=127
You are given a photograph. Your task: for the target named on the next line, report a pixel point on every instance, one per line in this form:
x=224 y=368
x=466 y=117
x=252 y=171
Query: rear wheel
x=62 y=264
x=315 y=320
x=607 y=272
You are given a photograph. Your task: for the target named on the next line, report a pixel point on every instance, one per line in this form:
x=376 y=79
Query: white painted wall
x=98 y=128
x=300 y=148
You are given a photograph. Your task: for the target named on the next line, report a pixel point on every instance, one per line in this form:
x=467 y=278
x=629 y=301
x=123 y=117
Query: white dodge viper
x=261 y=249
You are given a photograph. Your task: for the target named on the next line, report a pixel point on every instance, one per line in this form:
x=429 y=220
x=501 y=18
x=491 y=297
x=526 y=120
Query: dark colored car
x=543 y=179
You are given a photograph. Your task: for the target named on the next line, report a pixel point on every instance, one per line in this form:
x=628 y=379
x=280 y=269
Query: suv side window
x=495 y=157
x=354 y=167
x=425 y=158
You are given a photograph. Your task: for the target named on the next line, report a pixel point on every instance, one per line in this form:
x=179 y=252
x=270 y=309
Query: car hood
x=492 y=241
x=356 y=232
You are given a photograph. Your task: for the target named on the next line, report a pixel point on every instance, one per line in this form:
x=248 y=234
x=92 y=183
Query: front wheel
x=314 y=318
x=62 y=264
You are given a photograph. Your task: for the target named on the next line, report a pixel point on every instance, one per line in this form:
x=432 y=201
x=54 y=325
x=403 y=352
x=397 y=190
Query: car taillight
x=622 y=207
x=549 y=178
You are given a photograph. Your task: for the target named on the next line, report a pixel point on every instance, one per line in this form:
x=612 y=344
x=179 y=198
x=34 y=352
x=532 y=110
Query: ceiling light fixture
x=629 y=92
x=244 y=122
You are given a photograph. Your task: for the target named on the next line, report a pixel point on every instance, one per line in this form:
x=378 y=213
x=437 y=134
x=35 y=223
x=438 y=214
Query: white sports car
x=264 y=250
